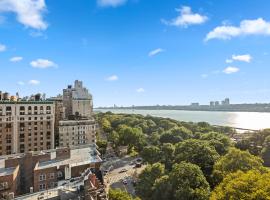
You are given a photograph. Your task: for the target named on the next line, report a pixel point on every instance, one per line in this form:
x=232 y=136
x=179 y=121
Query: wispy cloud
x=243 y=58
x=33 y=82
x=231 y=70
x=229 y=61
x=16 y=59
x=112 y=78
x=155 y=52
x=140 y=90
x=21 y=83
x=3 y=48
x=43 y=63
x=247 y=27
x=29 y=12
x=111 y=3
x=186 y=18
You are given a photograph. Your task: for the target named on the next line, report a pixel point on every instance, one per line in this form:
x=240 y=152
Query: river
x=246 y=120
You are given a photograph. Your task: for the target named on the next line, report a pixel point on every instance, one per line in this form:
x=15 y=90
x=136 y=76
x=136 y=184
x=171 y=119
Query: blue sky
x=138 y=52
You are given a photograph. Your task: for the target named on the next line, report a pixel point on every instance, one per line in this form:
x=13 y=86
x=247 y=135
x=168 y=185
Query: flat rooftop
x=79 y=156
x=7 y=171
x=25 y=102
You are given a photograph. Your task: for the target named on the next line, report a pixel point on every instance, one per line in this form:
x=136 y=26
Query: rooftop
x=78 y=156
x=7 y=171
x=25 y=102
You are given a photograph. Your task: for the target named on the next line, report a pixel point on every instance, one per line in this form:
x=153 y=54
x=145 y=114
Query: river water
x=246 y=120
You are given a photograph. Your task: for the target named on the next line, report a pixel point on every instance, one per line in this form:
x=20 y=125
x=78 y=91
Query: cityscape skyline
x=181 y=52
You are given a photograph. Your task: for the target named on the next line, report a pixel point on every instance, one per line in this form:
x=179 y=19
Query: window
x=59 y=174
x=51 y=175
x=42 y=177
x=42 y=186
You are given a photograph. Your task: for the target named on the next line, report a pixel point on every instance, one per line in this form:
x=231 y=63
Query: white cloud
x=243 y=58
x=21 y=83
x=16 y=59
x=112 y=78
x=43 y=63
x=229 y=61
x=140 y=90
x=34 y=82
x=231 y=70
x=2 y=48
x=155 y=52
x=247 y=27
x=111 y=3
x=186 y=18
x=29 y=12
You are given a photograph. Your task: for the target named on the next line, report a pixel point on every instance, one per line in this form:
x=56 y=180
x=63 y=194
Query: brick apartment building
x=77 y=132
x=45 y=170
x=26 y=126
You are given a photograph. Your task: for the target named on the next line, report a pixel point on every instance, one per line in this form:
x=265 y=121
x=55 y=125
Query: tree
x=120 y=195
x=147 y=178
x=102 y=146
x=106 y=125
x=167 y=155
x=233 y=161
x=252 y=185
x=266 y=151
x=114 y=138
x=219 y=141
x=151 y=154
x=188 y=182
x=183 y=132
x=133 y=137
x=185 y=182
x=197 y=152
x=170 y=137
x=162 y=189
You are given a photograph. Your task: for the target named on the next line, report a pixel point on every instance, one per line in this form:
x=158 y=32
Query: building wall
x=10 y=183
x=77 y=101
x=45 y=179
x=26 y=126
x=83 y=107
x=74 y=133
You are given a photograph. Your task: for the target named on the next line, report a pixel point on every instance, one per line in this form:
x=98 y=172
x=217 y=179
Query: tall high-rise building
x=26 y=126
x=77 y=100
x=79 y=126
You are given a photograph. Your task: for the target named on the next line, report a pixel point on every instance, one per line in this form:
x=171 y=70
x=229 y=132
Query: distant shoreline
x=260 y=108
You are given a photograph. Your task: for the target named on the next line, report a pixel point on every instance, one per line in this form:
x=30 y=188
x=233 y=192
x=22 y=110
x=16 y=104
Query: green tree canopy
x=151 y=154
x=266 y=151
x=185 y=182
x=197 y=152
x=167 y=155
x=220 y=141
x=252 y=185
x=120 y=195
x=147 y=178
x=233 y=161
